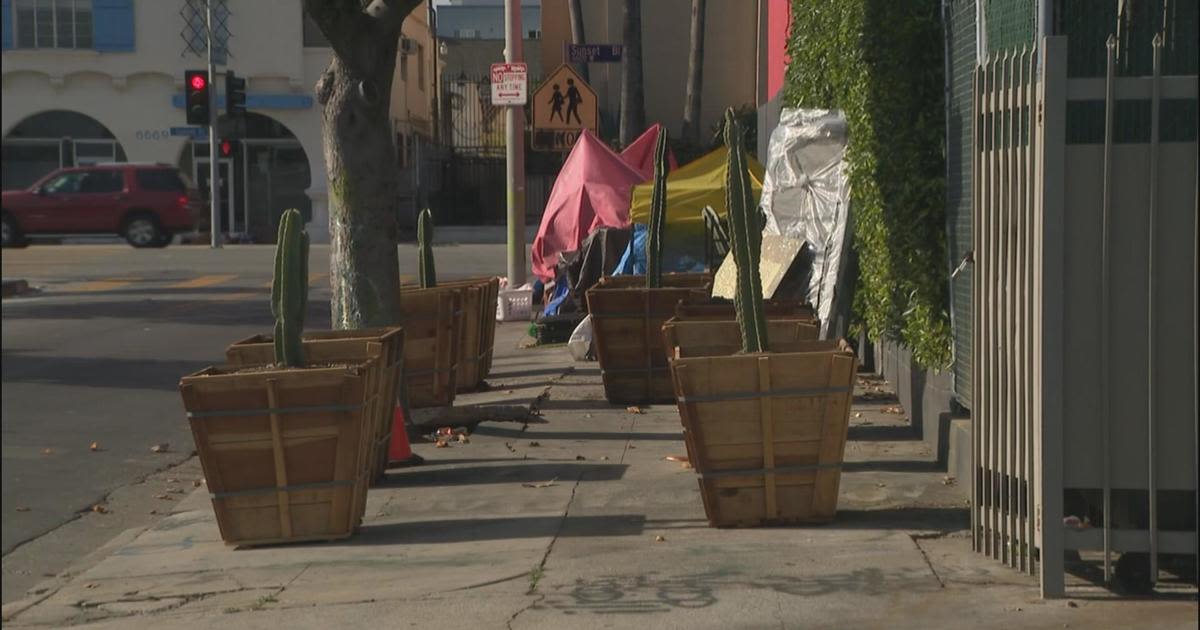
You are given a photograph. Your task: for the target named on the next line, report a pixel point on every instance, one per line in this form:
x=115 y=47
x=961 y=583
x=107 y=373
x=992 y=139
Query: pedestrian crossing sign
x=563 y=106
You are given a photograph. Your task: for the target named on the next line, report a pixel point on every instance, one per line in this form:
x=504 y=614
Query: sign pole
x=515 y=153
x=214 y=185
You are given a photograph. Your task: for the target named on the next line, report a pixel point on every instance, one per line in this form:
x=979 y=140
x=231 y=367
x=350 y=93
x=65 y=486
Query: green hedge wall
x=881 y=62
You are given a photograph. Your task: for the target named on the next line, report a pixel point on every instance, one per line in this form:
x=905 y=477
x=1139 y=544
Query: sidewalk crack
x=916 y=539
x=538 y=571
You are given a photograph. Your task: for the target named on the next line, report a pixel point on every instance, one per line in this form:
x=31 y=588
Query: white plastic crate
x=514 y=304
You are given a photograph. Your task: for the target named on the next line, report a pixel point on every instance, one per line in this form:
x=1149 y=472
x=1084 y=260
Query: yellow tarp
x=690 y=188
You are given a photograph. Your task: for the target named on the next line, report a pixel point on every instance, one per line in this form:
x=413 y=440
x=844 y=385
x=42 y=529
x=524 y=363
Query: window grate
x=195 y=31
x=65 y=24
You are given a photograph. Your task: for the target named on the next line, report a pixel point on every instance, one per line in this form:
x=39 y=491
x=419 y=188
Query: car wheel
x=142 y=231
x=11 y=234
x=164 y=239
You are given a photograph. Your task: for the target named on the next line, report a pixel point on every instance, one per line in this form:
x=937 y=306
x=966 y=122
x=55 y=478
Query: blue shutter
x=112 y=25
x=6 y=24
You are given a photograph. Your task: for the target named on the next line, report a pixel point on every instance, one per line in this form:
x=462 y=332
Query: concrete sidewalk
x=575 y=518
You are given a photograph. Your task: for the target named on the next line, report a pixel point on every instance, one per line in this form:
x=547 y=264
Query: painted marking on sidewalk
x=203 y=281
x=107 y=284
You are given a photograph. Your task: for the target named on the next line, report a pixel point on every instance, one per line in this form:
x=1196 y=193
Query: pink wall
x=779 y=15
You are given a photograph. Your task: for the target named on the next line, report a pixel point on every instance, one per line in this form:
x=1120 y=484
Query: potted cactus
x=627 y=315
x=765 y=430
x=285 y=443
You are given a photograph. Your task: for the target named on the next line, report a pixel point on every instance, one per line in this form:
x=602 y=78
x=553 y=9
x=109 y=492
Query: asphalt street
x=95 y=357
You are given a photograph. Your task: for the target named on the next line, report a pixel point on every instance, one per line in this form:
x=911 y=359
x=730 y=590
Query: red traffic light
x=198 y=82
x=226 y=148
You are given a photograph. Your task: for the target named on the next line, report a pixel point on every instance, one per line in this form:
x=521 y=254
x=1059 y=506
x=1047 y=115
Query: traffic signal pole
x=515 y=153
x=214 y=185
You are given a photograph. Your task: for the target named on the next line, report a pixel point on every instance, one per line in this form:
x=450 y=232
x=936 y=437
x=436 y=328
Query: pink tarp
x=640 y=153
x=592 y=190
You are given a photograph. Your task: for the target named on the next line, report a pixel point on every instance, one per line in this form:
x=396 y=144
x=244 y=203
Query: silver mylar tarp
x=806 y=196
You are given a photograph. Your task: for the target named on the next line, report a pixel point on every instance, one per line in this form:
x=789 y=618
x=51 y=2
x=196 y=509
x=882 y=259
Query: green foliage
x=745 y=226
x=880 y=62
x=289 y=289
x=658 y=213
x=425 y=269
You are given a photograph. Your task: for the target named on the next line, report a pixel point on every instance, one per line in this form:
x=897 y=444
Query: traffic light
x=195 y=88
x=235 y=95
x=227 y=147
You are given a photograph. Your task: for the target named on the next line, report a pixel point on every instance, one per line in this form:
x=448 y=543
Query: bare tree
x=633 y=104
x=577 y=34
x=695 y=79
x=360 y=157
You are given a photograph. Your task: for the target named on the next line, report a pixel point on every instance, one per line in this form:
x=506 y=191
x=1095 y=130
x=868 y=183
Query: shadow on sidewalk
x=883 y=465
x=942 y=519
x=475 y=529
x=535 y=434
x=882 y=433
x=565 y=472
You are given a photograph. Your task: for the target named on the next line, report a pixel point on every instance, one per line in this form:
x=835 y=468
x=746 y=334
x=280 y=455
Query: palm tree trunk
x=695 y=80
x=633 y=105
x=577 y=34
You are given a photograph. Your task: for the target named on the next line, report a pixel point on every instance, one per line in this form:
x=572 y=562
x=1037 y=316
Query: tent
x=640 y=153
x=592 y=190
x=694 y=185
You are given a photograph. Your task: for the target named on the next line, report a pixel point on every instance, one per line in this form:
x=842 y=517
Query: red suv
x=145 y=203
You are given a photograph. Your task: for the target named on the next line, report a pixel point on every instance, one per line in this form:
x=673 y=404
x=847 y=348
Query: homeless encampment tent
x=592 y=190
x=640 y=153
x=690 y=188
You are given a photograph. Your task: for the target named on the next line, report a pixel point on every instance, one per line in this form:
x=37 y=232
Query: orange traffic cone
x=399 y=451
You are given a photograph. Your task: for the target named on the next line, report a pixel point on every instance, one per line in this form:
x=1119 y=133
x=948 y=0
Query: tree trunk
x=577 y=34
x=360 y=156
x=695 y=80
x=633 y=105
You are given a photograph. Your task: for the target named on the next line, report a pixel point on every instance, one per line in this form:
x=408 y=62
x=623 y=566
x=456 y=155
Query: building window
x=53 y=23
x=313 y=37
x=403 y=68
x=421 y=67
x=535 y=35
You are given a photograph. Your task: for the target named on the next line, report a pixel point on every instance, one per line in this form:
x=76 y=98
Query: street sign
x=563 y=106
x=592 y=53
x=195 y=133
x=510 y=84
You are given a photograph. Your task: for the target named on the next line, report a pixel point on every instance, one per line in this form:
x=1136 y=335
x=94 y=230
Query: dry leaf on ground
x=94 y=446
x=99 y=509
x=47 y=451
x=160 y=448
x=892 y=409
x=676 y=458
x=164 y=497
x=22 y=508
x=660 y=539
x=462 y=437
x=441 y=443
x=541 y=484
x=580 y=458
x=535 y=444
x=635 y=409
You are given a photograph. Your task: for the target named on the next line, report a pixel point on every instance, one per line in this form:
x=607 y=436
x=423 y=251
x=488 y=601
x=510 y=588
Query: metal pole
x=515 y=154
x=1105 y=305
x=213 y=184
x=1152 y=330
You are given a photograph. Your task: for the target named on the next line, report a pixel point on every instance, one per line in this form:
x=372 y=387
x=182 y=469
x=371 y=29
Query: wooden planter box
x=627 y=321
x=477 y=333
x=774 y=309
x=381 y=348
x=282 y=449
x=767 y=432
x=432 y=321
x=721 y=337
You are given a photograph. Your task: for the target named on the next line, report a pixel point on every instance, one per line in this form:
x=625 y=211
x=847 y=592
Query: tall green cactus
x=658 y=213
x=745 y=226
x=425 y=268
x=289 y=289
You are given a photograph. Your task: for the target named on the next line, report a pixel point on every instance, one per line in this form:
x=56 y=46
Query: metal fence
x=1084 y=317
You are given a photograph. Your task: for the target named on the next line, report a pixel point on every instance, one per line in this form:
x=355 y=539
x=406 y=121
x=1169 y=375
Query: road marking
x=236 y=296
x=107 y=284
x=203 y=281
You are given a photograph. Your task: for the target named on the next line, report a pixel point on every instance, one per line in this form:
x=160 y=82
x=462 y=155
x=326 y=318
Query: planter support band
x=780 y=470
x=779 y=393
x=272 y=410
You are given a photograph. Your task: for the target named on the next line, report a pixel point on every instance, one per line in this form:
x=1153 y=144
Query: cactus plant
x=425 y=268
x=745 y=226
x=289 y=289
x=658 y=213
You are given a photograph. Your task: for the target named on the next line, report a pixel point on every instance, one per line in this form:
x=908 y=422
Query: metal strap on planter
x=636 y=370
x=778 y=393
x=321 y=485
x=430 y=371
x=225 y=413
x=779 y=470
x=426 y=318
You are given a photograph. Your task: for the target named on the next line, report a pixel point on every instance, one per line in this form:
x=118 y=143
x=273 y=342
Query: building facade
x=88 y=81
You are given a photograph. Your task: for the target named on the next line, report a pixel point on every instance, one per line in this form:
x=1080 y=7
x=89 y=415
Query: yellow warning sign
x=563 y=106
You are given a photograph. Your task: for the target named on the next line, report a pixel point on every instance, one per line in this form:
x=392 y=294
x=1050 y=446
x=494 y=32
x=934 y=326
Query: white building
x=102 y=80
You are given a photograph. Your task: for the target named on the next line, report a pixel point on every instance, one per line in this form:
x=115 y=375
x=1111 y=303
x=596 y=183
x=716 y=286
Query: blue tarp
x=634 y=259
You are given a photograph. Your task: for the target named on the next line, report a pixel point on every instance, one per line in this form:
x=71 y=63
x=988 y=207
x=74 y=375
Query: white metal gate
x=1084 y=313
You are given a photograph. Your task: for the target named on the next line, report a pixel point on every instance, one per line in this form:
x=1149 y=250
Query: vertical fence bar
x=1031 y=107
x=1152 y=327
x=1109 y=107
x=1004 y=193
x=993 y=410
x=976 y=396
x=1021 y=293
x=1010 y=300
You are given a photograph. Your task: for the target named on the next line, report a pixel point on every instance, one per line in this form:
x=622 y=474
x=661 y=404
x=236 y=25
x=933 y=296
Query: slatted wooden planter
x=432 y=322
x=767 y=432
x=721 y=337
x=724 y=310
x=477 y=333
x=381 y=348
x=627 y=324
x=283 y=450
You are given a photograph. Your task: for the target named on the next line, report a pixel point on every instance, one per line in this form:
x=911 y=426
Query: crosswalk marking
x=203 y=281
